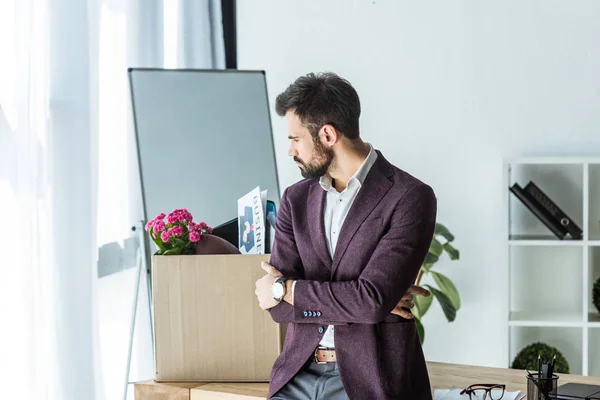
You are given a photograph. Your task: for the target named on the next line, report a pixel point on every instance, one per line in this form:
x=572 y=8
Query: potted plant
x=444 y=290
x=178 y=234
x=527 y=358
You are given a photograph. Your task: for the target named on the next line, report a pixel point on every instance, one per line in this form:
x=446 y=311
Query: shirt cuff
x=293 y=286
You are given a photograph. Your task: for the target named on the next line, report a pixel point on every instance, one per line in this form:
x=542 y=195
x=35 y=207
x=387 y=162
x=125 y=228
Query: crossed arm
x=382 y=285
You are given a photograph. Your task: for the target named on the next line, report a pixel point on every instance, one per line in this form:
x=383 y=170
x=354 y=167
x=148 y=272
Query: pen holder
x=539 y=388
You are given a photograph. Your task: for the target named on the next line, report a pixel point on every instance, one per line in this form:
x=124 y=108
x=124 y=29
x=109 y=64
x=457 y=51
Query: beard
x=320 y=163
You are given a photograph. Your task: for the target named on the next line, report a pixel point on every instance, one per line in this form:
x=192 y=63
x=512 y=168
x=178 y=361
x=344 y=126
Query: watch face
x=277 y=290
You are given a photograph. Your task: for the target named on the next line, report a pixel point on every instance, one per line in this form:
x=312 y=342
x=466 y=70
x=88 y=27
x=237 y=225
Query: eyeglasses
x=485 y=390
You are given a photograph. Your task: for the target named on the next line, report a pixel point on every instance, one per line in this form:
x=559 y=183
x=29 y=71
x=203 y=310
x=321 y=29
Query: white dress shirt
x=337 y=205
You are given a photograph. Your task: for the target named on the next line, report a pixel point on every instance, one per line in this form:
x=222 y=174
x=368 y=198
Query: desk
x=442 y=376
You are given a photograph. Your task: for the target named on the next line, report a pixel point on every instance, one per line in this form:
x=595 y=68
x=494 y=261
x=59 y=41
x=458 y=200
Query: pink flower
x=149 y=224
x=159 y=226
x=176 y=231
x=165 y=236
x=172 y=218
x=205 y=227
x=159 y=217
x=194 y=237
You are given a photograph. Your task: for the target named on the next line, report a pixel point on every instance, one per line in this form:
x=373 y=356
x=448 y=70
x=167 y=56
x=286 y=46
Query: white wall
x=448 y=89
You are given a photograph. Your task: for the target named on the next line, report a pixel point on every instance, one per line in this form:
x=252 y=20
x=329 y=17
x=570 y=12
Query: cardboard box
x=208 y=326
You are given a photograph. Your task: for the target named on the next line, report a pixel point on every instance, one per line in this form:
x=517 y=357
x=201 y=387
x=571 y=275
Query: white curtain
x=47 y=198
x=69 y=182
x=200 y=42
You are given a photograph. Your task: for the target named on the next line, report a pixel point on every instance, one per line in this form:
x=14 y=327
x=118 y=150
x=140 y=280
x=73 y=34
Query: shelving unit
x=551 y=280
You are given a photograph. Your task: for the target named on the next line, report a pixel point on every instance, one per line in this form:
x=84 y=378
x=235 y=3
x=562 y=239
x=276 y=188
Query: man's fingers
x=402 y=312
x=409 y=304
x=266 y=266
x=408 y=297
x=269 y=269
x=419 y=290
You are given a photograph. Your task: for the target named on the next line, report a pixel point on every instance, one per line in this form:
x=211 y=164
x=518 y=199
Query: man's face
x=311 y=156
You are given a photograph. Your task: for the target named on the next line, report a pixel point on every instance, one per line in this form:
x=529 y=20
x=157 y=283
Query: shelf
x=551 y=160
x=550 y=280
x=521 y=241
x=547 y=319
x=563 y=183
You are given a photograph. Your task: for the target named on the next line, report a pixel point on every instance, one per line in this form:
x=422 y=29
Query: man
x=349 y=241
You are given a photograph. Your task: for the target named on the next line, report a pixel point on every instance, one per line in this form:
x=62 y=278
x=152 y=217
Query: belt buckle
x=315 y=354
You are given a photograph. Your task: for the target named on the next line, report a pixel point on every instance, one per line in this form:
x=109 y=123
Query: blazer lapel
x=374 y=188
x=316 y=208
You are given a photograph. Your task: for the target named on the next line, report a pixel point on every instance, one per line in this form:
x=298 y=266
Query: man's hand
x=406 y=303
x=263 y=286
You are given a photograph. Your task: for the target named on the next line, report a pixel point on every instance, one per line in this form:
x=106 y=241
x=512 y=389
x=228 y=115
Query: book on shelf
x=558 y=214
x=540 y=212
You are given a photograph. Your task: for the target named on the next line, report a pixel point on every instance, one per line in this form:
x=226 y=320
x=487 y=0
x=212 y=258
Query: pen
x=552 y=363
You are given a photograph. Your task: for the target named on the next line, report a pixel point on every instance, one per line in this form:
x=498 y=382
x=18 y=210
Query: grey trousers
x=314 y=382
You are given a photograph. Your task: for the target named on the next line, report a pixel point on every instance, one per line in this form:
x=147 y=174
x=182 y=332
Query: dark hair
x=323 y=98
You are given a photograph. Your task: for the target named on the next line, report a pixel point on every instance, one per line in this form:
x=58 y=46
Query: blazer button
x=310 y=314
x=320 y=329
x=318 y=313
x=306 y=313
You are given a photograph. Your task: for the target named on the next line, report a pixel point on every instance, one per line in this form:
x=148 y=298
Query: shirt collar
x=359 y=176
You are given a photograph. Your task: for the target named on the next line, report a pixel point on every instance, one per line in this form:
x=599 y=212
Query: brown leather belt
x=324 y=355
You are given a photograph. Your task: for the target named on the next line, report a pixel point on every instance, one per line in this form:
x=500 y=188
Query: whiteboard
x=204 y=139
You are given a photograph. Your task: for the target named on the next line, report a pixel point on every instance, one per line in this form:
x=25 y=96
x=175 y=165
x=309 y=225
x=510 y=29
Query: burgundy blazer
x=381 y=246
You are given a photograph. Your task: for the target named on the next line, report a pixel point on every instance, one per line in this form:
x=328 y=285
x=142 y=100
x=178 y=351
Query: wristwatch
x=278 y=288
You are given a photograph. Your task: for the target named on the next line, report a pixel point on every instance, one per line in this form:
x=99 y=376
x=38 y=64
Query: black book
x=540 y=212
x=577 y=391
x=558 y=214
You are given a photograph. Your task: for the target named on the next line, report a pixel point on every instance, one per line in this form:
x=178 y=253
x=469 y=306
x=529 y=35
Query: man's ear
x=329 y=135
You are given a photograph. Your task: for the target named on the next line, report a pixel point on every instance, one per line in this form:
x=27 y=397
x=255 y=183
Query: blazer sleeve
x=285 y=257
x=390 y=271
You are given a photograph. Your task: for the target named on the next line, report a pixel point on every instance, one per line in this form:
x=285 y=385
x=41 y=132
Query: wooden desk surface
x=442 y=376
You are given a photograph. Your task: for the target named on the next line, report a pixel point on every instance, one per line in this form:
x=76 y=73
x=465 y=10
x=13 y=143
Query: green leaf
x=420 y=329
x=443 y=231
x=448 y=288
x=422 y=304
x=430 y=259
x=452 y=252
x=445 y=303
x=436 y=248
x=173 y=252
x=178 y=242
x=156 y=240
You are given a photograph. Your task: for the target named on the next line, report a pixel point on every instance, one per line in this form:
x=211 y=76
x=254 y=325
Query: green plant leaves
x=444 y=232
x=420 y=329
x=430 y=259
x=422 y=304
x=173 y=252
x=447 y=287
x=156 y=240
x=436 y=248
x=452 y=252
x=447 y=306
